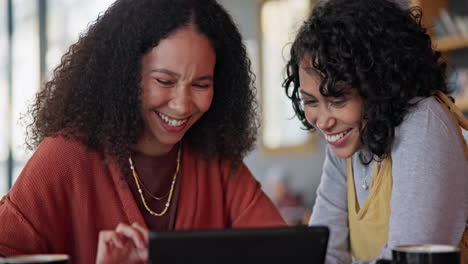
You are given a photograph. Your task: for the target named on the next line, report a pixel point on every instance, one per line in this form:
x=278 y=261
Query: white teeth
x=336 y=137
x=171 y=122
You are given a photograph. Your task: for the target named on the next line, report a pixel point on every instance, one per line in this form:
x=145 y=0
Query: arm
x=17 y=234
x=248 y=204
x=429 y=199
x=331 y=208
x=30 y=211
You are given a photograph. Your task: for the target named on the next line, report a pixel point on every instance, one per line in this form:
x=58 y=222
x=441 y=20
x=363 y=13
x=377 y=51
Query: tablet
x=298 y=244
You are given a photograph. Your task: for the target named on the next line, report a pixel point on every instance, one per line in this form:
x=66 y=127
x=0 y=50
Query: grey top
x=429 y=202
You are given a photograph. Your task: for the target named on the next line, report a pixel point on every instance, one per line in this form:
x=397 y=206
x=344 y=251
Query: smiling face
x=338 y=119
x=177 y=88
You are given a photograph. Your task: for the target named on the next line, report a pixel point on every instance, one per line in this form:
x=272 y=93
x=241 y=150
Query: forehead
x=310 y=80
x=309 y=77
x=306 y=65
x=184 y=49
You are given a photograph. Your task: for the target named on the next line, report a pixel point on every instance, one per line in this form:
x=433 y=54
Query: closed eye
x=307 y=99
x=310 y=102
x=164 y=82
x=338 y=103
x=200 y=85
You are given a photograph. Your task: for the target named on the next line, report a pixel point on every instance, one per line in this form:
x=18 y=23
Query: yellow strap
x=464 y=247
x=368 y=223
x=445 y=100
x=455 y=113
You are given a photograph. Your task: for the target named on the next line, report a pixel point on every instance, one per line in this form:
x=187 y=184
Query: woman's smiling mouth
x=170 y=121
x=337 y=139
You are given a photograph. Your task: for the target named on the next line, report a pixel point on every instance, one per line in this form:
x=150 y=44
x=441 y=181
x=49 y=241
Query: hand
x=126 y=244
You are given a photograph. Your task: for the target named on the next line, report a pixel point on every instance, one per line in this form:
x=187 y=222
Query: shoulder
x=427 y=125
x=61 y=147
x=61 y=152
x=59 y=160
x=428 y=141
x=427 y=113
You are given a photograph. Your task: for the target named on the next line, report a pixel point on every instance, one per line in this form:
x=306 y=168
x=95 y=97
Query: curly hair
x=95 y=91
x=376 y=47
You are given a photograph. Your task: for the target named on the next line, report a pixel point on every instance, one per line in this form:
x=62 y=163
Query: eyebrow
x=204 y=77
x=305 y=93
x=310 y=69
x=176 y=75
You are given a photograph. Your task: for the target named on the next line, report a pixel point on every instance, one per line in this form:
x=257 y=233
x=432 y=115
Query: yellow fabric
x=368 y=225
x=464 y=247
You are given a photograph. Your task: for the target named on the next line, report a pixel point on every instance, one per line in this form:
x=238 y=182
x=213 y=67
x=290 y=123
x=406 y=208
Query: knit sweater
x=66 y=194
x=429 y=200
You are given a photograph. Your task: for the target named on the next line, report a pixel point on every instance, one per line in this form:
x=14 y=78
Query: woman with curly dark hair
x=144 y=125
x=364 y=75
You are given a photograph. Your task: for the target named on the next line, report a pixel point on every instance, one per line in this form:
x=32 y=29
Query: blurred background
x=287 y=161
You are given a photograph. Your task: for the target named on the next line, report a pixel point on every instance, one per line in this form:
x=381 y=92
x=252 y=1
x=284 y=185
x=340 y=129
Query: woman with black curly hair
x=364 y=75
x=144 y=125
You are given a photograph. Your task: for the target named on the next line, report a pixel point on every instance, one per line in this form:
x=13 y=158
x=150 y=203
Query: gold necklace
x=148 y=192
x=171 y=190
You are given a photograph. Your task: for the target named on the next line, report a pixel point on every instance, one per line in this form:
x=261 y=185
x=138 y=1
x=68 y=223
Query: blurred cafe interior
x=287 y=159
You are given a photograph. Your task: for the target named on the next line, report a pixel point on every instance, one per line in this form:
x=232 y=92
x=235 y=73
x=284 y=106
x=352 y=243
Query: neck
x=152 y=149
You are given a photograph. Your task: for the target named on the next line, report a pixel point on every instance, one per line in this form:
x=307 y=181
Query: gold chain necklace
x=171 y=190
x=145 y=189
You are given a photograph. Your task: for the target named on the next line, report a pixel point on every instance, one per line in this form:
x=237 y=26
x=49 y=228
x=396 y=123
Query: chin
x=171 y=141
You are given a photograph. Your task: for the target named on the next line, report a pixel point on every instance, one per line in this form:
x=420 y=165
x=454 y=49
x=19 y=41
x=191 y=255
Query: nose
x=324 y=118
x=181 y=101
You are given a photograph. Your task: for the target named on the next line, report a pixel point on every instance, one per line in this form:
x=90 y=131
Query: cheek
x=153 y=96
x=204 y=101
x=146 y=93
x=310 y=115
x=354 y=118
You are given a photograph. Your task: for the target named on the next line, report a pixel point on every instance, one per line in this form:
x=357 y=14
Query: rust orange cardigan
x=65 y=195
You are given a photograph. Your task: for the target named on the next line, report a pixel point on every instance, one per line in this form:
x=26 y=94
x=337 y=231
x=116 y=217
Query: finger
x=143 y=254
x=103 y=244
x=109 y=236
x=142 y=230
x=132 y=233
x=119 y=240
x=115 y=247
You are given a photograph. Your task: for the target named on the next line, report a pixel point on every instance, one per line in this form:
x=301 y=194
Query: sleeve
x=31 y=214
x=331 y=208
x=249 y=206
x=17 y=235
x=429 y=201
